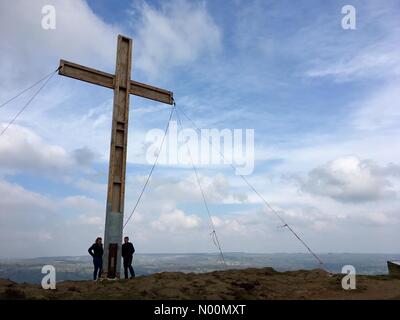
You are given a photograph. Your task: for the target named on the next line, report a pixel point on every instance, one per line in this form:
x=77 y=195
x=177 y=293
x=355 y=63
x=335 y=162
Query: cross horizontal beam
x=105 y=79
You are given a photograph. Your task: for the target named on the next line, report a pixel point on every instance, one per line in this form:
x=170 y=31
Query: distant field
x=80 y=268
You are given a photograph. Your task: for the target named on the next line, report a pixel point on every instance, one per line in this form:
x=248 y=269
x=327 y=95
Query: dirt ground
x=265 y=283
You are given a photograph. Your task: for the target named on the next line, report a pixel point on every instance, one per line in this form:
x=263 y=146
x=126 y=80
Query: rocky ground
x=265 y=283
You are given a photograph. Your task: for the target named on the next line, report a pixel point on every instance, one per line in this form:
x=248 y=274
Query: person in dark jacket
x=96 y=251
x=127 y=254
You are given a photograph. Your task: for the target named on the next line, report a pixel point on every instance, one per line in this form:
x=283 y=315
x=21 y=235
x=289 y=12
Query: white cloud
x=89 y=186
x=176 y=34
x=233 y=225
x=176 y=220
x=16 y=201
x=22 y=149
x=28 y=51
x=379 y=218
x=216 y=189
x=45 y=225
x=24 y=220
x=90 y=220
x=369 y=63
x=349 y=179
x=368 y=53
x=83 y=204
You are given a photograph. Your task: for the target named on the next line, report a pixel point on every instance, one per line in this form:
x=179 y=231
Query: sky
x=323 y=102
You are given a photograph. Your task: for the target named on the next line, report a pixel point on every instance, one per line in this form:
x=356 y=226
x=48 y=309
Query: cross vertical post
x=117 y=164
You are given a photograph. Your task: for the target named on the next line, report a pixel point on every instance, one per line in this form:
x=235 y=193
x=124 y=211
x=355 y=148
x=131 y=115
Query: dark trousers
x=128 y=265
x=98 y=267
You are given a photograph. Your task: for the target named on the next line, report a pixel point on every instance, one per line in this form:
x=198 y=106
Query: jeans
x=128 y=265
x=98 y=266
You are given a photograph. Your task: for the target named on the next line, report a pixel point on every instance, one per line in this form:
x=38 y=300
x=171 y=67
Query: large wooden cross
x=123 y=86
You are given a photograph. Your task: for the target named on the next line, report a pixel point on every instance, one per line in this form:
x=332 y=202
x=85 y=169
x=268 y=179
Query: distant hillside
x=265 y=283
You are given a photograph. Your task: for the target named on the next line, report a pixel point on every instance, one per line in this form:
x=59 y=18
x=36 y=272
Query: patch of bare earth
x=265 y=284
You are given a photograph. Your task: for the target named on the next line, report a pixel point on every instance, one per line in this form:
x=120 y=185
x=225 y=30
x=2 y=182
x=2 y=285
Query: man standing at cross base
x=127 y=254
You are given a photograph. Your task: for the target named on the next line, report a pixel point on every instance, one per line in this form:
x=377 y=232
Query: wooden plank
x=104 y=79
x=150 y=92
x=119 y=135
x=86 y=74
x=118 y=152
